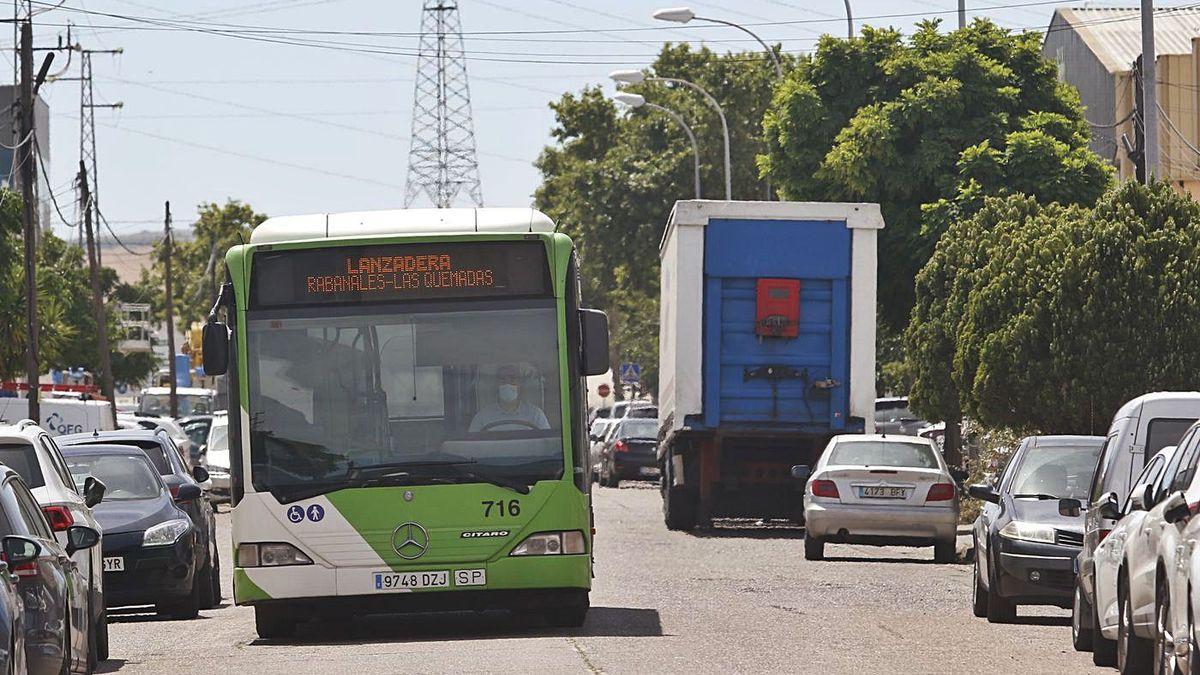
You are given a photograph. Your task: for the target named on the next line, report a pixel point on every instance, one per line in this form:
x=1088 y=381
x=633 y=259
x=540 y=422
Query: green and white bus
x=407 y=415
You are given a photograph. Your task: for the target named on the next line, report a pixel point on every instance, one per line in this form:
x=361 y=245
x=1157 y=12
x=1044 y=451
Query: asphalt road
x=736 y=598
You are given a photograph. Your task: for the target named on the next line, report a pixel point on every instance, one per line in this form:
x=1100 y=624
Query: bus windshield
x=359 y=396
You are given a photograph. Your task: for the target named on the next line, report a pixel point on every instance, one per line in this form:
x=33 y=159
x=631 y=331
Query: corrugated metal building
x=1095 y=49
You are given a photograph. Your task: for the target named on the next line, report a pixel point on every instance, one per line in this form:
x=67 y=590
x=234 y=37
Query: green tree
x=198 y=266
x=911 y=122
x=1047 y=318
x=611 y=179
x=67 y=336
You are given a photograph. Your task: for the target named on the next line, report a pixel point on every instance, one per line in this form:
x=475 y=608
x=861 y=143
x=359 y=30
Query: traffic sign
x=604 y=390
x=631 y=373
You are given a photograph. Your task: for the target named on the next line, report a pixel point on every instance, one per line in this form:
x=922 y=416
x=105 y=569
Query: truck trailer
x=766 y=351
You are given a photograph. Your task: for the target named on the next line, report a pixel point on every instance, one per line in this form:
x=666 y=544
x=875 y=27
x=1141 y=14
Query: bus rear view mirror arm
x=594 y=351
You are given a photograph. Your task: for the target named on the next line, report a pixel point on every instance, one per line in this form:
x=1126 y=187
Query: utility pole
x=87 y=122
x=168 y=246
x=25 y=159
x=962 y=13
x=106 y=376
x=1149 y=95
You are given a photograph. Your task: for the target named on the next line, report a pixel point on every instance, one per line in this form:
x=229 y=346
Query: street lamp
x=637 y=77
x=684 y=15
x=638 y=101
x=849 y=20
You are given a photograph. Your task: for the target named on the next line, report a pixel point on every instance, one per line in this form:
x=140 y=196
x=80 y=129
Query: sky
x=211 y=111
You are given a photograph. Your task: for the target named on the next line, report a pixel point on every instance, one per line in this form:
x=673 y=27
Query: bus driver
x=509 y=412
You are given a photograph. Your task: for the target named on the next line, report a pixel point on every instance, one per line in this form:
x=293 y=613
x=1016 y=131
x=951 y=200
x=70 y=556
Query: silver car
x=880 y=490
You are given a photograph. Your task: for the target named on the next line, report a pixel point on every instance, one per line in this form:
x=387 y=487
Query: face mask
x=507 y=393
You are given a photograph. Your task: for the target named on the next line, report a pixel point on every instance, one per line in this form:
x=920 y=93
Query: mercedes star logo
x=410 y=540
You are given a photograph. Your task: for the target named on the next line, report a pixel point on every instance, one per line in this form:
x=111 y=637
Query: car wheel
x=1081 y=622
x=979 y=597
x=273 y=623
x=1104 y=651
x=189 y=607
x=814 y=547
x=944 y=552
x=204 y=587
x=66 y=648
x=1164 y=643
x=1193 y=650
x=216 y=578
x=1132 y=651
x=102 y=635
x=999 y=608
x=93 y=651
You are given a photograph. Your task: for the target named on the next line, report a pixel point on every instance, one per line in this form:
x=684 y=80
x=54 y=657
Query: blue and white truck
x=766 y=350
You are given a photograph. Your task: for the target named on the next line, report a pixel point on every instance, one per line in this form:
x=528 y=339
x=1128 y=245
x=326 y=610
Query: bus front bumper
x=318 y=583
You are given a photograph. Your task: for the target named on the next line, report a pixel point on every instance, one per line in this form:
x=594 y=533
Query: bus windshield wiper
x=1034 y=495
x=498 y=481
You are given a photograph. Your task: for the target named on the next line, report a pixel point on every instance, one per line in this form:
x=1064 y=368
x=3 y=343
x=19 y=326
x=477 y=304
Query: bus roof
x=401 y=221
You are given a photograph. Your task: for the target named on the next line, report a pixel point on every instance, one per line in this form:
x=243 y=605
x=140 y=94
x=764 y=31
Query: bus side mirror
x=595 y=342
x=216 y=348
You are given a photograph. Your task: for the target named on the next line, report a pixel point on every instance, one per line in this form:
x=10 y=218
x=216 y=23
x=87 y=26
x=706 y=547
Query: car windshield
x=1055 y=471
x=417 y=398
x=635 y=428
x=197 y=431
x=22 y=458
x=189 y=404
x=884 y=453
x=893 y=410
x=125 y=477
x=643 y=412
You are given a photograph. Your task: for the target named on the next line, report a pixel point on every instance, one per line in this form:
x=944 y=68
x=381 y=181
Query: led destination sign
x=399 y=272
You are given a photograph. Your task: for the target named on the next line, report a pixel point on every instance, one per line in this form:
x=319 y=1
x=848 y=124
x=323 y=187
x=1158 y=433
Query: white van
x=61 y=416
x=1138 y=431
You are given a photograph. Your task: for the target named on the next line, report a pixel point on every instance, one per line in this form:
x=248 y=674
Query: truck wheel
x=273 y=623
x=814 y=548
x=679 y=508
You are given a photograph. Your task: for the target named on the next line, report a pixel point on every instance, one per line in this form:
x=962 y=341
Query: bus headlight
x=270 y=555
x=165 y=534
x=552 y=543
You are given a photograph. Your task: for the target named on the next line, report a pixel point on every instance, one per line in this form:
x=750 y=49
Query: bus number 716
x=502 y=508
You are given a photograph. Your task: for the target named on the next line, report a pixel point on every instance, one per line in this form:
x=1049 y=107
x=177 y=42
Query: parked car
x=596 y=435
x=644 y=412
x=197 y=428
x=1185 y=598
x=214 y=457
x=171 y=427
x=883 y=491
x=1153 y=631
x=53 y=590
x=630 y=452
x=1099 y=632
x=12 y=623
x=1025 y=547
x=152 y=553
x=161 y=451
x=623 y=408
x=892 y=416
x=1139 y=429
x=30 y=451
x=191 y=401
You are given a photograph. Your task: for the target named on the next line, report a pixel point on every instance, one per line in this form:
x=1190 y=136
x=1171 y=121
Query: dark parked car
x=52 y=588
x=165 y=457
x=1025 y=549
x=12 y=623
x=152 y=552
x=892 y=416
x=630 y=452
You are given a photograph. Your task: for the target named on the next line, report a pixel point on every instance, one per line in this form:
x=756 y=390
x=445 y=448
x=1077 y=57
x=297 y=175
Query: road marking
x=587 y=661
